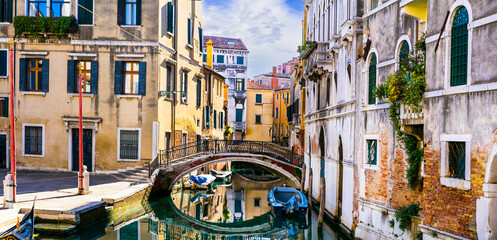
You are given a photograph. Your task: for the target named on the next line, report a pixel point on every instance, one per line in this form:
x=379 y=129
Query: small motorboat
x=222 y=175
x=203 y=181
x=287 y=201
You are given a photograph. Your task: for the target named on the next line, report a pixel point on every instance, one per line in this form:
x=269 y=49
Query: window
x=239 y=60
x=129 y=12
x=4 y=107
x=85 y=15
x=455 y=168
x=372 y=79
x=184 y=138
x=200 y=35
x=371 y=152
x=240 y=84
x=33 y=140
x=60 y=8
x=239 y=115
x=215 y=119
x=129 y=144
x=130 y=78
x=220 y=58
x=276 y=113
x=170 y=17
x=459 y=48
x=85 y=67
x=328 y=90
x=277 y=96
x=257 y=202
x=258 y=98
x=4 y=62
x=37 y=8
x=189 y=27
x=184 y=86
x=6 y=11
x=207 y=116
x=35 y=68
x=404 y=55
x=221 y=120
x=199 y=92
x=167 y=141
x=258 y=119
x=374 y=4
x=169 y=82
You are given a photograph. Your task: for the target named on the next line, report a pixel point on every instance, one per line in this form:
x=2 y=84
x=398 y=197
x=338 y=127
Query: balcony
x=230 y=66
x=409 y=117
x=44 y=27
x=296 y=120
x=240 y=94
x=319 y=60
x=417 y=9
x=239 y=126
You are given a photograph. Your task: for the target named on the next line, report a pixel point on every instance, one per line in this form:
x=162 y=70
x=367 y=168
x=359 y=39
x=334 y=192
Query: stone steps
x=136 y=174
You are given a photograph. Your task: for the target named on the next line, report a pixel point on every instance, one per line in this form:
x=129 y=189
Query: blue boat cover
x=198 y=180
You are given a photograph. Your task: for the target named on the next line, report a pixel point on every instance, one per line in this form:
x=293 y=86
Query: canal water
x=236 y=208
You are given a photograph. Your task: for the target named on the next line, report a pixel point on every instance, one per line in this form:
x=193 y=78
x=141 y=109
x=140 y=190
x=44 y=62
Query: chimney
x=274 y=79
x=209 y=53
x=274 y=72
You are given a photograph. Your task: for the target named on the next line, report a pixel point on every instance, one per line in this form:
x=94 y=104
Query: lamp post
x=80 y=173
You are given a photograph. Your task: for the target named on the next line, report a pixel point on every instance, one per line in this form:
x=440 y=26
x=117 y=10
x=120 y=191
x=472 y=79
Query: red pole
x=12 y=128
x=80 y=176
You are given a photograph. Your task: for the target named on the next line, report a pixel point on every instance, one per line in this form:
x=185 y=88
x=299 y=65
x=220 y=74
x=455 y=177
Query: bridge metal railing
x=188 y=151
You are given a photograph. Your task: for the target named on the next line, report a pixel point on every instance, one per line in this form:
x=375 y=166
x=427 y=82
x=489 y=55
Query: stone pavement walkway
x=58 y=191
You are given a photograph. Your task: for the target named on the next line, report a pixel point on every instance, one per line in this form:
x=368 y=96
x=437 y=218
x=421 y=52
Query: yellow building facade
x=259 y=112
x=280 y=122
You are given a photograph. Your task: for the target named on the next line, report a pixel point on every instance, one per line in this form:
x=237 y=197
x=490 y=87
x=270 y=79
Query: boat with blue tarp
x=287 y=201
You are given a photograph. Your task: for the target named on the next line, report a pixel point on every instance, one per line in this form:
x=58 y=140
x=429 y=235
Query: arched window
x=372 y=79
x=328 y=89
x=459 y=48
x=404 y=54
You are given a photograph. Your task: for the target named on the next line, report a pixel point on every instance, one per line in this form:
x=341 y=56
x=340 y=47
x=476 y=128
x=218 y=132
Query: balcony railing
x=409 y=117
x=240 y=94
x=319 y=58
x=239 y=126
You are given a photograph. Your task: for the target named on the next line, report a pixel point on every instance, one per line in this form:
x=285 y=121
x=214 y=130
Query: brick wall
x=449 y=209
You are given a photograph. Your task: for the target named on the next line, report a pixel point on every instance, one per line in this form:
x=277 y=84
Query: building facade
x=259 y=112
x=281 y=102
x=230 y=57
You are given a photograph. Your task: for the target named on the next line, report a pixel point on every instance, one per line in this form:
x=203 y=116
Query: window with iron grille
x=129 y=143
x=372 y=152
x=459 y=48
x=257 y=202
x=33 y=140
x=404 y=55
x=457 y=159
x=372 y=80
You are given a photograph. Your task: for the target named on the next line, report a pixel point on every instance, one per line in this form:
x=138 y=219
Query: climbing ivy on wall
x=407 y=86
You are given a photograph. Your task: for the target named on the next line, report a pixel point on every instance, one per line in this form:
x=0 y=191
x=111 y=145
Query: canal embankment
x=60 y=210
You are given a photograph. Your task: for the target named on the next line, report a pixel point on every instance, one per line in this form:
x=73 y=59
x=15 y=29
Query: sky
x=271 y=29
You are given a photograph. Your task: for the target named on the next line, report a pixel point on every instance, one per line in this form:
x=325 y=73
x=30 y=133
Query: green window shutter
x=170 y=17
x=94 y=77
x=200 y=35
x=221 y=120
x=142 y=79
x=404 y=55
x=239 y=60
x=138 y=12
x=121 y=12
x=258 y=98
x=239 y=115
x=3 y=63
x=84 y=16
x=71 y=77
x=118 y=78
x=189 y=31
x=45 y=75
x=199 y=93
x=372 y=80
x=243 y=84
x=215 y=119
x=459 y=48
x=220 y=58
x=23 y=73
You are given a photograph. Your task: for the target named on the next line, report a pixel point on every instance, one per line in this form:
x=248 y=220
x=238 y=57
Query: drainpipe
x=176 y=73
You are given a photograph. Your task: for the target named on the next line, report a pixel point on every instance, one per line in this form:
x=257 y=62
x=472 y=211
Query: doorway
x=3 y=151
x=340 y=176
x=87 y=149
x=322 y=152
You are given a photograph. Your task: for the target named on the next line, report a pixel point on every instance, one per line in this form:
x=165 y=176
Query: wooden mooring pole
x=322 y=202
x=310 y=189
x=302 y=178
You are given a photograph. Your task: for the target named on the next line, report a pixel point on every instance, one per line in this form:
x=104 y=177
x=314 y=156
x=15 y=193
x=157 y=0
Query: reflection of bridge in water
x=170 y=222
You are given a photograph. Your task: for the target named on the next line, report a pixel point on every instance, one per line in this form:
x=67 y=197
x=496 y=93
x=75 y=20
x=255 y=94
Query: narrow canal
x=233 y=208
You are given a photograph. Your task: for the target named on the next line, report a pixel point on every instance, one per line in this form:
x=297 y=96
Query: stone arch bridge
x=169 y=166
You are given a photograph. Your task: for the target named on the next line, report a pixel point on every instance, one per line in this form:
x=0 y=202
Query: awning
x=415 y=8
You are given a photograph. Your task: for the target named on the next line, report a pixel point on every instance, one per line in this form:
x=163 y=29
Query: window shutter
x=138 y=12
x=199 y=91
x=118 y=78
x=189 y=31
x=94 y=77
x=200 y=35
x=121 y=13
x=142 y=82
x=170 y=17
x=215 y=119
x=85 y=17
x=23 y=71
x=71 y=76
x=3 y=63
x=45 y=75
x=6 y=107
x=205 y=117
x=10 y=10
x=243 y=84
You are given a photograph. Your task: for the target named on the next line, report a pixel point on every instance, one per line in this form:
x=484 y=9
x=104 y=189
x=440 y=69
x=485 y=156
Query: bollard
x=8 y=192
x=86 y=180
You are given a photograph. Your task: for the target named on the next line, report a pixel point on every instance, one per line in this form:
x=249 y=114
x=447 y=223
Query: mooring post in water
x=322 y=193
x=310 y=189
x=302 y=178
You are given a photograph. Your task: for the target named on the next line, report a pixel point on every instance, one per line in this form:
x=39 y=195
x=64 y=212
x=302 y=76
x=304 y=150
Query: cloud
x=271 y=29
